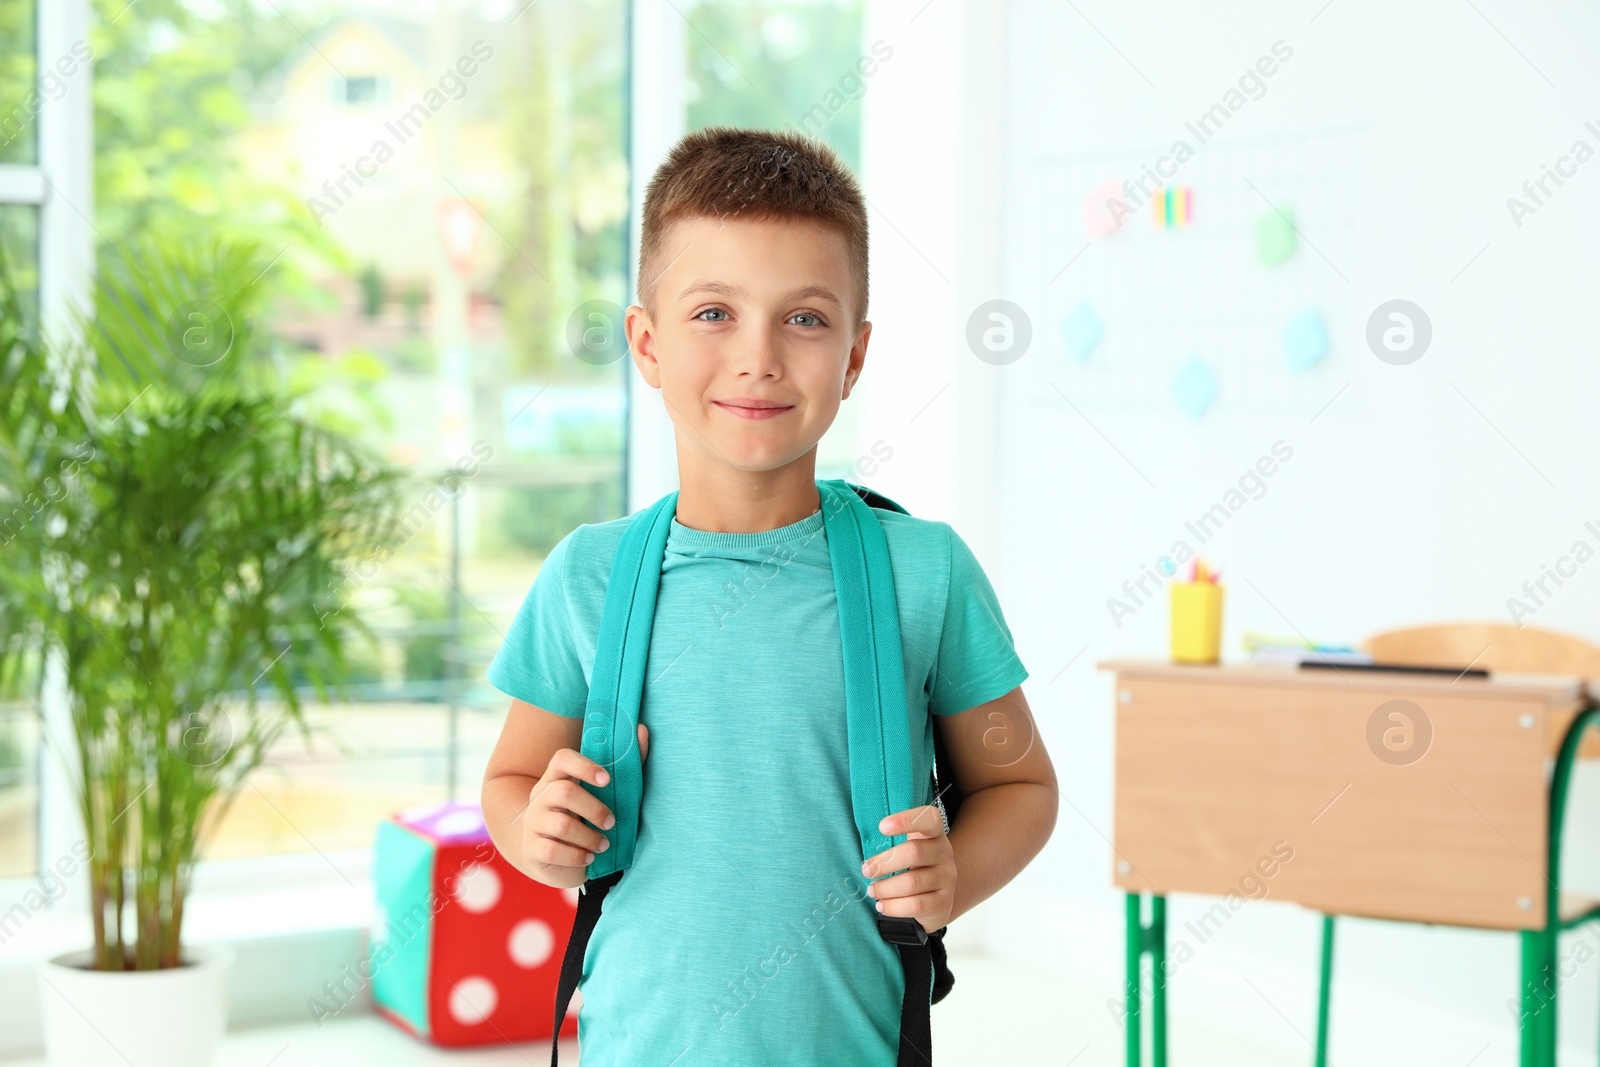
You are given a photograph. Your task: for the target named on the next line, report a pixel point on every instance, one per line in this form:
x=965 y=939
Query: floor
x=1000 y=1013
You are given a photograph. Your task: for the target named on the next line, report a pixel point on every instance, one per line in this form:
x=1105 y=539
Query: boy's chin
x=760 y=460
x=759 y=465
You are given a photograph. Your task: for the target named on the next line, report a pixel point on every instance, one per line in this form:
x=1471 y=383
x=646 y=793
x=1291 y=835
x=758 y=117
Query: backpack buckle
x=901 y=930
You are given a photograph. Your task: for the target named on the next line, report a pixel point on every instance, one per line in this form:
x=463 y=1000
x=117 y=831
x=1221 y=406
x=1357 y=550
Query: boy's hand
x=927 y=890
x=556 y=841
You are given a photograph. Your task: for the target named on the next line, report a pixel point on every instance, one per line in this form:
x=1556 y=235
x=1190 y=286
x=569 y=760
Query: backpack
x=878 y=729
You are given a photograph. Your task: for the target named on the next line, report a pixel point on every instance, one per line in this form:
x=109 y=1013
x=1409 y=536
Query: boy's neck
x=718 y=498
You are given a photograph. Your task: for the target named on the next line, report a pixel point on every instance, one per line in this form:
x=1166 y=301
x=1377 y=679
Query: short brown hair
x=759 y=175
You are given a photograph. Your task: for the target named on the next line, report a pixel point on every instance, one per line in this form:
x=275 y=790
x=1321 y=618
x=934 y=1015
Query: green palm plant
x=168 y=526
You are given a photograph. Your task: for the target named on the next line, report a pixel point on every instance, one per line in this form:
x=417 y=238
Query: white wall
x=1421 y=492
x=930 y=167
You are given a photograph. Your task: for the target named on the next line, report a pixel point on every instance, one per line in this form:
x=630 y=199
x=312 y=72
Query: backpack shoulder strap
x=879 y=733
x=874 y=499
x=616 y=685
x=874 y=670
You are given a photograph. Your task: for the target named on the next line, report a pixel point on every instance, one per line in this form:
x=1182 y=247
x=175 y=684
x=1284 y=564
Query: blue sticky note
x=1194 y=387
x=1082 y=331
x=1305 y=340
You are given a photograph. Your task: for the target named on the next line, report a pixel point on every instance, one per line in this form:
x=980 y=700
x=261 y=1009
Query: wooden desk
x=1413 y=797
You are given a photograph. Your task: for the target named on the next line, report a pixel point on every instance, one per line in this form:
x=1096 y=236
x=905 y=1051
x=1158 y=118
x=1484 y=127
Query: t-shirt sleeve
x=977 y=661
x=538 y=660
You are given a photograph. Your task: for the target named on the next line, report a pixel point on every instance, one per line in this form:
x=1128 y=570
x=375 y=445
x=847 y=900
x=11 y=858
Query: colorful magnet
x=1305 y=340
x=1082 y=331
x=1194 y=387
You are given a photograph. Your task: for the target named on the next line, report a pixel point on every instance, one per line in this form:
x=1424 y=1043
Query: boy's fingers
x=552 y=853
x=559 y=828
x=922 y=821
x=907 y=883
x=566 y=828
x=911 y=853
x=569 y=795
x=574 y=764
x=886 y=862
x=911 y=907
x=555 y=831
x=890 y=859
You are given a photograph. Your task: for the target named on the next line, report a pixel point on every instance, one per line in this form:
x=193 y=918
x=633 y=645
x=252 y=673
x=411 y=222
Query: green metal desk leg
x=1157 y=941
x=1325 y=992
x=1541 y=948
x=1538 y=1023
x=1142 y=938
x=1547 y=973
x=1133 y=987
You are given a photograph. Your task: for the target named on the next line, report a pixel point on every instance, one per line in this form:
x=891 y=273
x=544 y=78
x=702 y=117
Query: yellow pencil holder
x=1196 y=622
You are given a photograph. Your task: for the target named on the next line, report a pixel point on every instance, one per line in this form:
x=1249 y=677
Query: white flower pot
x=168 y=1018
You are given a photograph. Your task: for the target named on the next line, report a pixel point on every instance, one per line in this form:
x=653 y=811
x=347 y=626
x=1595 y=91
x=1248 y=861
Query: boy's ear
x=642 y=343
x=858 y=359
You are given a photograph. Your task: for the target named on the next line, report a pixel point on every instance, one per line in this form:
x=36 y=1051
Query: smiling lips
x=753 y=409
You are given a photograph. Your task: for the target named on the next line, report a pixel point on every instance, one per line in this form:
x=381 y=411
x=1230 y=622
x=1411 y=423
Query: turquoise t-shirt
x=742 y=933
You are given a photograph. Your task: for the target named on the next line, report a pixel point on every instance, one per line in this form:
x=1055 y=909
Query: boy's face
x=748 y=314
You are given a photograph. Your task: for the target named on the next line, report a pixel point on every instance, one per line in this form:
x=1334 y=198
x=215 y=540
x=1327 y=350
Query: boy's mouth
x=753 y=409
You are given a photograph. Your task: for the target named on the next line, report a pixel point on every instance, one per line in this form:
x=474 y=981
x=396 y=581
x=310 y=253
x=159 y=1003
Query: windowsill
x=231 y=901
x=294 y=922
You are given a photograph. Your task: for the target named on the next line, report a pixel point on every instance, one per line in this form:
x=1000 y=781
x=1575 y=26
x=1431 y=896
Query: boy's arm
x=1008 y=790
x=1008 y=811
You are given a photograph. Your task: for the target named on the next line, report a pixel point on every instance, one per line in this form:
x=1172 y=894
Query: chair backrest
x=1487 y=645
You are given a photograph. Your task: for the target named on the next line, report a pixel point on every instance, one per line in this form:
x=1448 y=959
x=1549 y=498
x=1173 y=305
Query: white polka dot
x=459 y=822
x=571 y=895
x=478 y=888
x=473 y=1000
x=531 y=943
x=575 y=1003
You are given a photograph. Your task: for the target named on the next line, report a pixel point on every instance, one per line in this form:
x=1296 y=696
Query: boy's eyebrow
x=821 y=292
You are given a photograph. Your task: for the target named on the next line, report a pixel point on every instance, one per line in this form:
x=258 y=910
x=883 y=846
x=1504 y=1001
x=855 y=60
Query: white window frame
x=658 y=116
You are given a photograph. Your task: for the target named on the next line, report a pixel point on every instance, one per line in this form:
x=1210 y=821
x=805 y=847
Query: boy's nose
x=759 y=355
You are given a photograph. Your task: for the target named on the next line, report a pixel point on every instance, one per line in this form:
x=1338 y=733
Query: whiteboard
x=1160 y=293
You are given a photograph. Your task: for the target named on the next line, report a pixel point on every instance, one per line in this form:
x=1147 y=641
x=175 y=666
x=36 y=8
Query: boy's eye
x=815 y=320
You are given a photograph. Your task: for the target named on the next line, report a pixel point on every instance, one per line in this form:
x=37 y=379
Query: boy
x=743 y=934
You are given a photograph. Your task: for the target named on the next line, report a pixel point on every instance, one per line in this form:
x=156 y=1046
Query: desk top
x=1230 y=775
x=1554 y=689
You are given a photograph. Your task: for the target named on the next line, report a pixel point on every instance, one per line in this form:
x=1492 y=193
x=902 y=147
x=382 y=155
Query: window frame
x=657 y=76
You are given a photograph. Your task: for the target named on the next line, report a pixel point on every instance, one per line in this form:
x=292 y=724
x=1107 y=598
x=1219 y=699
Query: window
x=22 y=96
x=463 y=207
x=19 y=245
x=40 y=66
x=366 y=89
x=795 y=65
x=19 y=790
x=437 y=327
